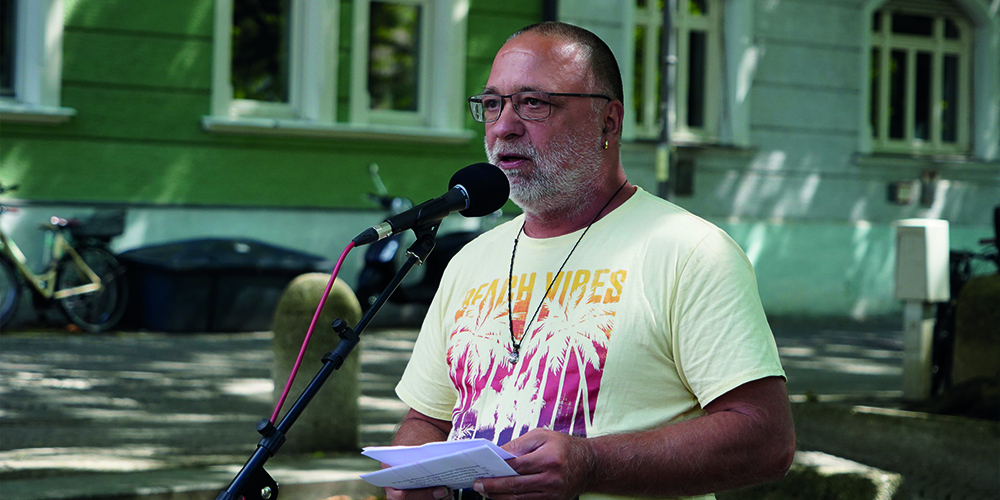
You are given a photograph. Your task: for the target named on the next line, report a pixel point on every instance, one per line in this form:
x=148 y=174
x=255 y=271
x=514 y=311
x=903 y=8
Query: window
x=274 y=59
x=919 y=94
x=261 y=58
x=391 y=64
x=8 y=39
x=697 y=93
x=408 y=63
x=31 y=61
x=277 y=69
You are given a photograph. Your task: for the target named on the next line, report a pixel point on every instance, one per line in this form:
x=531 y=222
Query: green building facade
x=775 y=118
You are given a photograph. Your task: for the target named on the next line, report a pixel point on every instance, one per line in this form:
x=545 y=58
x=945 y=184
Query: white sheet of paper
x=455 y=464
x=402 y=455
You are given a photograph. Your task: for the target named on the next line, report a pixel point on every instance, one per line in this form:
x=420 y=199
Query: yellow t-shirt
x=654 y=315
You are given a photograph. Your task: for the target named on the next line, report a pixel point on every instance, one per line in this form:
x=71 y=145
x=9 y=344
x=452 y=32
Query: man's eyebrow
x=493 y=90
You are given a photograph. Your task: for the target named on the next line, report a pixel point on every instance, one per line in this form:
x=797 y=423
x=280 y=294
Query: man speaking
x=612 y=341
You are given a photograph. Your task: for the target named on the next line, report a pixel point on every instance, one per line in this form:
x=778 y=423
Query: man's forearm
x=747 y=437
x=733 y=446
x=708 y=454
x=417 y=429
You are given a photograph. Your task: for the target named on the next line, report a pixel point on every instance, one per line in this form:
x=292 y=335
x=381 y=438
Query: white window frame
x=938 y=46
x=985 y=81
x=442 y=104
x=311 y=73
x=361 y=111
x=37 y=65
x=313 y=76
x=651 y=18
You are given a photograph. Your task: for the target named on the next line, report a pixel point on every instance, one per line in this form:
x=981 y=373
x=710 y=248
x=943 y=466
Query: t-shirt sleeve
x=426 y=385
x=721 y=338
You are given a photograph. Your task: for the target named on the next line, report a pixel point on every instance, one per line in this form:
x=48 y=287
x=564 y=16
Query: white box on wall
x=922 y=268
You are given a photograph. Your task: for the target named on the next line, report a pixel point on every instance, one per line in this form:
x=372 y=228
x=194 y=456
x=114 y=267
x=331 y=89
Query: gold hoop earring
x=605 y=144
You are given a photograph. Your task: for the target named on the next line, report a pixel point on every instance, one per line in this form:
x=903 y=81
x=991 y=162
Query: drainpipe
x=666 y=155
x=550 y=10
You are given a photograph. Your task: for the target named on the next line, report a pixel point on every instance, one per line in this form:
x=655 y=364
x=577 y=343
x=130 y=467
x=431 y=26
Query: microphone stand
x=253 y=482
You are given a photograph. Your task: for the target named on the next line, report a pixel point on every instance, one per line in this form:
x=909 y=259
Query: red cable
x=305 y=342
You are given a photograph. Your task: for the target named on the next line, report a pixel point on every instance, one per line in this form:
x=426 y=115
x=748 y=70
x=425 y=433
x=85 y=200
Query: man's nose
x=509 y=124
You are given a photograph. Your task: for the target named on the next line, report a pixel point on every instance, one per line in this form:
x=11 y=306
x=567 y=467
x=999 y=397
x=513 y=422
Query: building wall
x=808 y=208
x=787 y=182
x=139 y=75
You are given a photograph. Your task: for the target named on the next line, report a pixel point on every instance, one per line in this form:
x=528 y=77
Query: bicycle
x=82 y=276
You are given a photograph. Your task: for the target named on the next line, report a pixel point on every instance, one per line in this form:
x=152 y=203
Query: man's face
x=548 y=162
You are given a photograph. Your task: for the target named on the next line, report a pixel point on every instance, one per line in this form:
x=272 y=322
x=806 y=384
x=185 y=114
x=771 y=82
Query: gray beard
x=563 y=176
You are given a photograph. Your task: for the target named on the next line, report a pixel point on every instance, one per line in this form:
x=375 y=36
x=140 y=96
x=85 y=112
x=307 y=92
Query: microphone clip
x=426 y=241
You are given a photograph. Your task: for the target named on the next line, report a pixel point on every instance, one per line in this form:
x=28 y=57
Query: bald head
x=600 y=60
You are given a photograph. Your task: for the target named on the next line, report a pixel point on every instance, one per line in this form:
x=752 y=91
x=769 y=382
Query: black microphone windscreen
x=486 y=185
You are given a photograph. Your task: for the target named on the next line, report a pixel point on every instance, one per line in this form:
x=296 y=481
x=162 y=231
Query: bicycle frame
x=44 y=283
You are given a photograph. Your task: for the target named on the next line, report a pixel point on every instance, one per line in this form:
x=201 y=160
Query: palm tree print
x=556 y=382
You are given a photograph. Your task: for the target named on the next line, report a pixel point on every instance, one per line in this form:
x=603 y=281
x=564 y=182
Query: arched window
x=920 y=84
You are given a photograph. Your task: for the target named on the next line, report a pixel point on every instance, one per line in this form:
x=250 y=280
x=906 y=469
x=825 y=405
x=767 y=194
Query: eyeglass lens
x=527 y=105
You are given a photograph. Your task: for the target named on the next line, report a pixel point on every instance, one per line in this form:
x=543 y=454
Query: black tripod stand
x=253 y=482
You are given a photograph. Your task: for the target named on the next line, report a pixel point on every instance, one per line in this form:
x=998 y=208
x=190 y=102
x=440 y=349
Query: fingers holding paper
x=550 y=465
x=424 y=469
x=435 y=493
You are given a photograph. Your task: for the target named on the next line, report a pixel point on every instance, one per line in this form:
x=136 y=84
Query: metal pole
x=665 y=154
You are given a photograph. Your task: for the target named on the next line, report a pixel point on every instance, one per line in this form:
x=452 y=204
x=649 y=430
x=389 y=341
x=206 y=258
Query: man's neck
x=557 y=223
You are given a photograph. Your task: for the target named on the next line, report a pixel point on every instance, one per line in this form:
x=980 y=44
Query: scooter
x=963 y=266
x=384 y=257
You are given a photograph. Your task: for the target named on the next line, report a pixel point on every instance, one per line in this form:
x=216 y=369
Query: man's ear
x=614 y=113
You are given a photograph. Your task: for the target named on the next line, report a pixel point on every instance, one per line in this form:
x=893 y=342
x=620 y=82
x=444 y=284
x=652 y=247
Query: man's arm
x=746 y=437
x=417 y=429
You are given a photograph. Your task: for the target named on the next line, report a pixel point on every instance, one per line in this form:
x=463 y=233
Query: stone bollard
x=330 y=421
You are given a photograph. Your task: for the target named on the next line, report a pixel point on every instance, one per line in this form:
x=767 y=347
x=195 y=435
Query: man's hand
x=436 y=493
x=416 y=429
x=552 y=465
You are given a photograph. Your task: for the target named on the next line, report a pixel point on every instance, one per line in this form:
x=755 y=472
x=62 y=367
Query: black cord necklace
x=515 y=353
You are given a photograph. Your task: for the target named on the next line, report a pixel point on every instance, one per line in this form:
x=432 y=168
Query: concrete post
x=330 y=422
x=922 y=279
x=918 y=339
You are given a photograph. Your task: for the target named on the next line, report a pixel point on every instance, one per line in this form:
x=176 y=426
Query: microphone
x=474 y=191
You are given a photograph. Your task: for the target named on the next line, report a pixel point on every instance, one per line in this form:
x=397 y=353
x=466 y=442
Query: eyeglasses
x=533 y=105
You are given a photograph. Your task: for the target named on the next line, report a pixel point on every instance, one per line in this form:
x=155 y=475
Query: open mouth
x=512 y=158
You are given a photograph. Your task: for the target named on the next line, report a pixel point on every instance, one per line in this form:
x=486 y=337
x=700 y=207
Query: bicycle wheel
x=93 y=311
x=10 y=292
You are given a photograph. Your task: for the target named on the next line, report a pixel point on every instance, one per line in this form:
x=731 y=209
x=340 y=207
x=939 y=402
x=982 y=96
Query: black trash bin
x=212 y=285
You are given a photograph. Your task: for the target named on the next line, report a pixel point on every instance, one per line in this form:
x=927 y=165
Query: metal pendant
x=513 y=357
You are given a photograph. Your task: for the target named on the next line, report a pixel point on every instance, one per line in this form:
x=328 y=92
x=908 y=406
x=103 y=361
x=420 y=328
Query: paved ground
x=850 y=361
x=82 y=404
x=137 y=401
